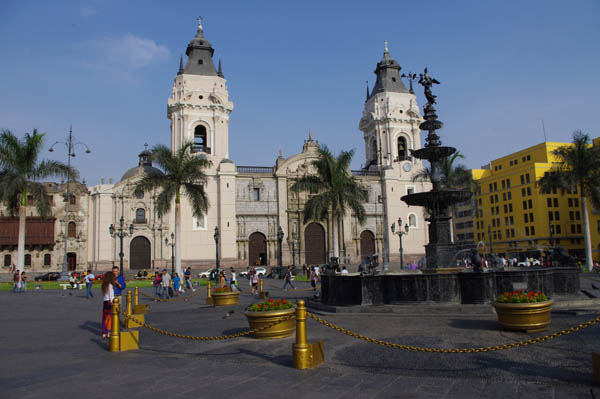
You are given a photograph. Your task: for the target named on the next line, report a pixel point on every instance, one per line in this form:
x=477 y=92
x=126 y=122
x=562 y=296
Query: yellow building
x=595 y=224
x=520 y=220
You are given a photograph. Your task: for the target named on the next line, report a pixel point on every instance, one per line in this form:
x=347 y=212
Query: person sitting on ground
x=145 y=274
x=139 y=274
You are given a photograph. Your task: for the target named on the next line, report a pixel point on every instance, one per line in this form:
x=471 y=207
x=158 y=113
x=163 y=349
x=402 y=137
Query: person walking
x=89 y=280
x=16 y=282
x=188 y=279
x=165 y=284
x=288 y=279
x=176 y=282
x=23 y=282
x=233 y=282
x=120 y=284
x=254 y=282
x=108 y=293
x=157 y=283
x=314 y=279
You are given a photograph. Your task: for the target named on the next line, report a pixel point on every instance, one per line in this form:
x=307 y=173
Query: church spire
x=367 y=99
x=180 y=65
x=200 y=52
x=220 y=71
x=388 y=78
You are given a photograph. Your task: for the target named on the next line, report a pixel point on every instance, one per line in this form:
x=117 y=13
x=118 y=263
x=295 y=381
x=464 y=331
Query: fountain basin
x=465 y=287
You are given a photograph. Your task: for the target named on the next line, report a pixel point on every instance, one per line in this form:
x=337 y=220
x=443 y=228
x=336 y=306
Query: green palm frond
x=182 y=171
x=21 y=171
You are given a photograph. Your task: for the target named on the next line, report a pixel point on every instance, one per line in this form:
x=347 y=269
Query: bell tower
x=199 y=106
x=390 y=120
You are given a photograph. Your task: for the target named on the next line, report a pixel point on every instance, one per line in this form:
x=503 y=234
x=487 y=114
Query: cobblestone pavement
x=52 y=348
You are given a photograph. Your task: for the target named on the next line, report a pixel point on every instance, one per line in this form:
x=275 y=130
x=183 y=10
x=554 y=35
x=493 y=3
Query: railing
x=255 y=169
x=365 y=173
x=201 y=148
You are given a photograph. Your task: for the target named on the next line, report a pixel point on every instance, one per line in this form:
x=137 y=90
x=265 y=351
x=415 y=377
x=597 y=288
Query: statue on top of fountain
x=427 y=81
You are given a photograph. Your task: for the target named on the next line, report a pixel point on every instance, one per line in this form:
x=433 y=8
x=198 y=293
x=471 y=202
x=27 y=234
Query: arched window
x=7 y=260
x=402 y=149
x=28 y=260
x=71 y=230
x=412 y=220
x=47 y=259
x=140 y=215
x=200 y=141
x=373 y=149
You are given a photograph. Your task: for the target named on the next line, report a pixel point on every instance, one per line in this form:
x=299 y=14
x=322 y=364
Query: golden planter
x=261 y=319
x=225 y=298
x=530 y=317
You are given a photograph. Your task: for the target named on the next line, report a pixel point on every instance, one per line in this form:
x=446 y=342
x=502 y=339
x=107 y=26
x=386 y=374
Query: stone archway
x=257 y=249
x=139 y=254
x=367 y=244
x=314 y=244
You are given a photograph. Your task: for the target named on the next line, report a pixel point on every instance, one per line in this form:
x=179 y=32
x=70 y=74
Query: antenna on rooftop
x=544 y=130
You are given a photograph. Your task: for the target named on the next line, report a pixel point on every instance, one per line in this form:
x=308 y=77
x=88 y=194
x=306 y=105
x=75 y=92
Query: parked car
x=210 y=274
x=261 y=271
x=529 y=262
x=52 y=276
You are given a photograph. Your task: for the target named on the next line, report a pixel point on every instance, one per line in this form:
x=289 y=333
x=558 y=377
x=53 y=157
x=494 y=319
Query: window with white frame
x=410 y=190
x=199 y=223
x=412 y=220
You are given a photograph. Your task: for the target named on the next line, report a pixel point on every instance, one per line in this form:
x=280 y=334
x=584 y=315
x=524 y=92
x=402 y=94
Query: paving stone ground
x=51 y=348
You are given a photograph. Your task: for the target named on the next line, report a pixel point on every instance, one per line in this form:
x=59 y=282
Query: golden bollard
x=209 y=300
x=136 y=297
x=128 y=307
x=305 y=355
x=113 y=343
x=137 y=308
x=261 y=294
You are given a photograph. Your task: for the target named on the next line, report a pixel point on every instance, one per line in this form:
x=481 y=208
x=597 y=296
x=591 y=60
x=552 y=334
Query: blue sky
x=107 y=67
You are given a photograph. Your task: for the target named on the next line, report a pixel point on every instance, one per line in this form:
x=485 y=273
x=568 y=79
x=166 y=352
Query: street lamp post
x=551 y=235
x=120 y=232
x=279 y=240
x=216 y=237
x=70 y=154
x=400 y=234
x=172 y=244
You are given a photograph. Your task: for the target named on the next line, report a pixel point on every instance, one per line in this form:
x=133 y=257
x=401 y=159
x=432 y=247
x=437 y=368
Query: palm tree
x=20 y=175
x=452 y=177
x=578 y=167
x=182 y=172
x=335 y=190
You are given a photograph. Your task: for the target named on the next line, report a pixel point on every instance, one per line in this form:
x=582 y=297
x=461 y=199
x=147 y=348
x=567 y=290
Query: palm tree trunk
x=334 y=223
x=586 y=231
x=21 y=242
x=178 y=235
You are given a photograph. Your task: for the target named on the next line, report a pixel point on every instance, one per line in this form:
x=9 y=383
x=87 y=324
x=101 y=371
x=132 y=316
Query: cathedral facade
x=249 y=205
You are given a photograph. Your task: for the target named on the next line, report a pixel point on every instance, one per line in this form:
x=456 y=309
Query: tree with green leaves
x=578 y=167
x=183 y=173
x=452 y=176
x=21 y=176
x=334 y=191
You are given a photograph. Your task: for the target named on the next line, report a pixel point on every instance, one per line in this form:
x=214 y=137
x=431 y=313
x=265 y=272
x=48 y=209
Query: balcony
x=201 y=148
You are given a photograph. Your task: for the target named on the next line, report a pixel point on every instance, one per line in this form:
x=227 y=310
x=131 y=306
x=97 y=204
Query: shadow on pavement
x=475 y=324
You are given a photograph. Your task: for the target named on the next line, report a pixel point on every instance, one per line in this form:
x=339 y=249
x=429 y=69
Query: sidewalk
x=52 y=348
